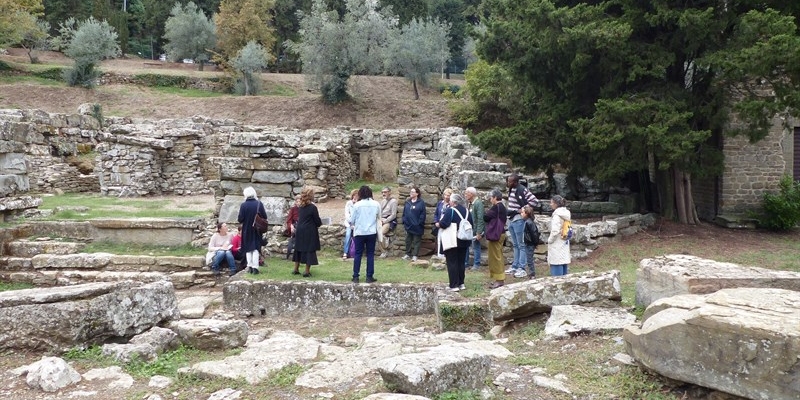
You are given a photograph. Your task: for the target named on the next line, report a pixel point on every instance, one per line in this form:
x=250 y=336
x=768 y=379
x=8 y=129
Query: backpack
x=566 y=230
x=464 y=227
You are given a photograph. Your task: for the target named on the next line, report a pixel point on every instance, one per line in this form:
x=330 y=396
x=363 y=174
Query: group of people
x=369 y=222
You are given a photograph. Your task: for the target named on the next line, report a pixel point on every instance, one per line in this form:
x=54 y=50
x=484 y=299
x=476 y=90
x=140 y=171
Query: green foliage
x=240 y=21
x=782 y=210
x=189 y=33
x=84 y=75
x=166 y=364
x=249 y=62
x=15 y=21
x=449 y=87
x=159 y=80
x=464 y=317
x=36 y=38
x=114 y=207
x=56 y=74
x=6 y=286
x=97 y=113
x=604 y=91
x=417 y=49
x=333 y=48
x=489 y=98
x=459 y=395
x=285 y=376
x=92 y=42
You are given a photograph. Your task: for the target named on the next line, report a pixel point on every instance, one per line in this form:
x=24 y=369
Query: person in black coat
x=456 y=257
x=251 y=237
x=413 y=222
x=307 y=235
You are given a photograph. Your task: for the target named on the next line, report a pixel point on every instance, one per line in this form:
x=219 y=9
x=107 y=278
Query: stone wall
x=752 y=169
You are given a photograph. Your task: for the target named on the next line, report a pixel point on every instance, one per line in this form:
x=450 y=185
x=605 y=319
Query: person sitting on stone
x=220 y=244
x=388 y=218
x=236 y=245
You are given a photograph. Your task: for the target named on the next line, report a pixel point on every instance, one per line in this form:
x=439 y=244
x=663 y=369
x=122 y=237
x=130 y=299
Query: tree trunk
x=684 y=201
x=416 y=92
x=200 y=67
x=665 y=192
x=246 y=84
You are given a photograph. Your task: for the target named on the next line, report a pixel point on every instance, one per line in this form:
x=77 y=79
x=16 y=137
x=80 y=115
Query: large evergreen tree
x=620 y=86
x=189 y=34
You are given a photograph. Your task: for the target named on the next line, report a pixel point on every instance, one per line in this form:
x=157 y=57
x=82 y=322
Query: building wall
x=752 y=169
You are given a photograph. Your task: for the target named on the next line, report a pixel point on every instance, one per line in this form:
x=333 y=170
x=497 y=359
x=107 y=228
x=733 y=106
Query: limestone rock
x=436 y=371
x=57 y=318
x=159 y=381
x=51 y=374
x=394 y=396
x=676 y=274
x=117 y=379
x=744 y=341
x=195 y=307
x=522 y=299
x=226 y=394
x=568 y=320
x=145 y=346
x=551 y=383
x=211 y=334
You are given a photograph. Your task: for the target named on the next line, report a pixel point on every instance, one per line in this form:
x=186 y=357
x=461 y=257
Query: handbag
x=260 y=223
x=448 y=235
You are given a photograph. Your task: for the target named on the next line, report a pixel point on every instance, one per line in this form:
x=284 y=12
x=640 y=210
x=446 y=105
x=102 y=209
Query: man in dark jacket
x=414 y=223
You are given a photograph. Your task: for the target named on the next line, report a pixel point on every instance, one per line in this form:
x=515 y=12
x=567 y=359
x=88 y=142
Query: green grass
x=12 y=79
x=114 y=207
x=196 y=93
x=286 y=376
x=278 y=90
x=185 y=250
x=6 y=286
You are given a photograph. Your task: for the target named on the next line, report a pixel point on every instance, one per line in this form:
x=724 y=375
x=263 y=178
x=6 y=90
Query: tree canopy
x=620 y=86
x=418 y=48
x=240 y=21
x=189 y=33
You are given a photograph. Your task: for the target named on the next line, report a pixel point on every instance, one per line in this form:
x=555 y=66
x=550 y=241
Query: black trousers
x=455 y=259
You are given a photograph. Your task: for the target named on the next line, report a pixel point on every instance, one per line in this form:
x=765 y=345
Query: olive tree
x=92 y=42
x=189 y=34
x=248 y=63
x=417 y=49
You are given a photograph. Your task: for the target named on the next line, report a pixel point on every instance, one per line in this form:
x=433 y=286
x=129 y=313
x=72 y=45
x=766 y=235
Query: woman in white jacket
x=558 y=255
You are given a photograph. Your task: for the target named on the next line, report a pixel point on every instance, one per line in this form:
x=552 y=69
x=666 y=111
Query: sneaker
x=511 y=270
x=371 y=279
x=383 y=255
x=414 y=259
x=520 y=274
x=406 y=257
x=455 y=289
x=476 y=268
x=462 y=287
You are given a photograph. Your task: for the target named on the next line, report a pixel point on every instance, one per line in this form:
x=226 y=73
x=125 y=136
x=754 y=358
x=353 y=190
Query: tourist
x=518 y=197
x=442 y=205
x=220 y=244
x=475 y=207
x=495 y=220
x=531 y=240
x=414 y=223
x=291 y=226
x=388 y=218
x=307 y=233
x=348 y=230
x=558 y=255
x=236 y=245
x=364 y=220
x=251 y=237
x=454 y=256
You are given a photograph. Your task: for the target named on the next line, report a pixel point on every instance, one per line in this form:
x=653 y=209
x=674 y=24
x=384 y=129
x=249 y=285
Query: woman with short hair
x=455 y=257
x=251 y=237
x=495 y=219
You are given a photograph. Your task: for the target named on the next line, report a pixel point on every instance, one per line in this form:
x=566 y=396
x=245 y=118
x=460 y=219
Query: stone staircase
x=58 y=263
x=28 y=256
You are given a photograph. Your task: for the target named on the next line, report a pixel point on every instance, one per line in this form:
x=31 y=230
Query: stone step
x=68 y=277
x=31 y=247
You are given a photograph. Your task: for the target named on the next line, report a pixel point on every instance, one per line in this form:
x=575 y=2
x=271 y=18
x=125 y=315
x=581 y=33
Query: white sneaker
x=405 y=257
x=520 y=274
x=455 y=289
x=510 y=270
x=414 y=258
x=462 y=287
x=383 y=255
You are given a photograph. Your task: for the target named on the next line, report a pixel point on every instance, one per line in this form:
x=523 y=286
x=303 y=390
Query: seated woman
x=220 y=245
x=236 y=245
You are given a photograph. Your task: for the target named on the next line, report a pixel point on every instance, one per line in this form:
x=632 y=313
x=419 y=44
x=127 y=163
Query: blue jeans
x=367 y=241
x=516 y=231
x=347 y=233
x=475 y=247
x=223 y=254
x=558 y=270
x=531 y=259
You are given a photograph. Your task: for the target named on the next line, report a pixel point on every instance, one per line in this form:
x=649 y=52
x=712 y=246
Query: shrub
x=50 y=73
x=447 y=87
x=81 y=75
x=157 y=80
x=782 y=210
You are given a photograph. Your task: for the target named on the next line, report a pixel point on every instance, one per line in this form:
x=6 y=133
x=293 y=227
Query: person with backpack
x=558 y=255
x=414 y=223
x=454 y=256
x=531 y=241
x=518 y=196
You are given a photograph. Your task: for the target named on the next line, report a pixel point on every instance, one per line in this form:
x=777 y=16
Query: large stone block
x=329 y=299
x=523 y=299
x=275 y=176
x=439 y=370
x=677 y=274
x=13 y=163
x=481 y=179
x=743 y=341
x=275 y=206
x=210 y=334
x=62 y=317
